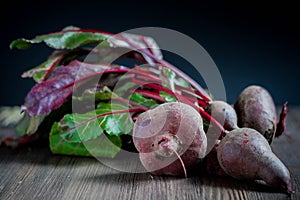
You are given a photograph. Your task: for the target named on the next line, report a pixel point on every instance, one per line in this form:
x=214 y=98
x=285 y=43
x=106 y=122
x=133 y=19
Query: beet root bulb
x=223 y=113
x=170 y=139
x=255 y=109
x=245 y=154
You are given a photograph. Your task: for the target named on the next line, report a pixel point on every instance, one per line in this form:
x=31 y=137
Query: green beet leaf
x=89 y=95
x=75 y=127
x=71 y=38
x=138 y=98
x=29 y=125
x=102 y=146
x=114 y=124
x=66 y=39
x=167 y=76
x=181 y=82
x=56 y=59
x=124 y=88
x=94 y=133
x=38 y=72
x=167 y=97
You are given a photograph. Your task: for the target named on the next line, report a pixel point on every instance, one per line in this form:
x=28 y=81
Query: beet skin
x=255 y=109
x=170 y=139
x=245 y=154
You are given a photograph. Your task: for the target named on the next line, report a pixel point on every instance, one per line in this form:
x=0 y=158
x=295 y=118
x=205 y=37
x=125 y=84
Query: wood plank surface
x=34 y=173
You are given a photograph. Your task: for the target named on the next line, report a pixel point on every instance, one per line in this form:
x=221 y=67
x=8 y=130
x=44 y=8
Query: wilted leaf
x=10 y=116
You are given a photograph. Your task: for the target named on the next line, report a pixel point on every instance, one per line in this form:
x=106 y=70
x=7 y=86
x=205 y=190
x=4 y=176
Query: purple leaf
x=52 y=93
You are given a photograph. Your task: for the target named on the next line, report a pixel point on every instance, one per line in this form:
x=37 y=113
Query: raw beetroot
x=211 y=162
x=223 y=113
x=255 y=109
x=170 y=139
x=245 y=154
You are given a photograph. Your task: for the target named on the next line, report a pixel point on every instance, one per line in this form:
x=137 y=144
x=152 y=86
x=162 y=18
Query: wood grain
x=34 y=173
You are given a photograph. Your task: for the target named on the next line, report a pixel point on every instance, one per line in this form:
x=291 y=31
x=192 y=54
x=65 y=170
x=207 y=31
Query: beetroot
x=245 y=154
x=255 y=109
x=223 y=113
x=211 y=162
x=170 y=139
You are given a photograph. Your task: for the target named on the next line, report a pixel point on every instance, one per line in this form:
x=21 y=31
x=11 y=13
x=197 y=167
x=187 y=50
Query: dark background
x=251 y=43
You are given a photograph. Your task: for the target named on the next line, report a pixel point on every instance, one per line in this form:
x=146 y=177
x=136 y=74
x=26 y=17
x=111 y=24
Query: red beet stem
x=153 y=95
x=56 y=62
x=201 y=103
x=280 y=127
x=181 y=98
x=207 y=99
x=201 y=91
x=118 y=70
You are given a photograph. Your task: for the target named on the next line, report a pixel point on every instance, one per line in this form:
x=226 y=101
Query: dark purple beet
x=255 y=109
x=223 y=113
x=170 y=139
x=245 y=154
x=211 y=163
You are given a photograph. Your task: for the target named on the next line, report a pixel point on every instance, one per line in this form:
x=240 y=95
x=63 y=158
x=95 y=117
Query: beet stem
x=57 y=61
x=153 y=95
x=280 y=127
x=201 y=91
x=181 y=98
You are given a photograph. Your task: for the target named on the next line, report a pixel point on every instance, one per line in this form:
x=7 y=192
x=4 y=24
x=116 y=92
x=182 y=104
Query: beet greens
x=69 y=69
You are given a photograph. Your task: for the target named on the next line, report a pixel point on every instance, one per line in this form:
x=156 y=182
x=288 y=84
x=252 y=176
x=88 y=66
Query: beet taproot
x=170 y=139
x=211 y=163
x=223 y=113
x=245 y=154
x=255 y=109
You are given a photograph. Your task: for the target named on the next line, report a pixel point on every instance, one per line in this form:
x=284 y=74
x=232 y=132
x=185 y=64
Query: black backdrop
x=251 y=43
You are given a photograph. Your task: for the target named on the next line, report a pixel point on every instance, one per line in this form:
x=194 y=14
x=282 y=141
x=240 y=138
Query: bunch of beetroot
x=173 y=119
x=172 y=141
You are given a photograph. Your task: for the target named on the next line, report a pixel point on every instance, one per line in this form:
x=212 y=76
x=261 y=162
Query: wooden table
x=34 y=173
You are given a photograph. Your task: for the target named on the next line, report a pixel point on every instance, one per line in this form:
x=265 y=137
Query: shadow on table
x=215 y=182
x=234 y=184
